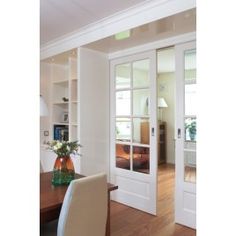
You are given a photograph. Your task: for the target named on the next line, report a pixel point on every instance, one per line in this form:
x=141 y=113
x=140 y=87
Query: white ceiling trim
x=183 y=38
x=130 y=18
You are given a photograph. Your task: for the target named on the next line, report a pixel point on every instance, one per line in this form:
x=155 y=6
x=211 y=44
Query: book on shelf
x=61 y=132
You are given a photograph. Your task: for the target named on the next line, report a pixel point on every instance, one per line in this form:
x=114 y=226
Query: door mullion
x=131 y=117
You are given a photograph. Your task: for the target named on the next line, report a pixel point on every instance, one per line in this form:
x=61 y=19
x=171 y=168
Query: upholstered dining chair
x=41 y=167
x=84 y=209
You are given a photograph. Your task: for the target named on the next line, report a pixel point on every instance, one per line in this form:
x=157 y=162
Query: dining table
x=51 y=199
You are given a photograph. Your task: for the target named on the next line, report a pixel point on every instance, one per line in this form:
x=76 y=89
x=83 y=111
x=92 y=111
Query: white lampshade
x=43 y=107
x=162 y=103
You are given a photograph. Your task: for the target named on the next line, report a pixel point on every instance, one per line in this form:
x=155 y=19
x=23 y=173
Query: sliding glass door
x=133 y=130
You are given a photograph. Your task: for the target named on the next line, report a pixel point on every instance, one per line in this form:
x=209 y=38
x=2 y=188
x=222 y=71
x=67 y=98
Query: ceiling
x=61 y=17
x=71 y=15
x=180 y=23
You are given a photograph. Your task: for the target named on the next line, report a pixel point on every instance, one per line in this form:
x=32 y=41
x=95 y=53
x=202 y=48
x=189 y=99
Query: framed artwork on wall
x=65 y=117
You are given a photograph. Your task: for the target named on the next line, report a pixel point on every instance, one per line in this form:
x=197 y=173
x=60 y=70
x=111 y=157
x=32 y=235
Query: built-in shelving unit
x=64 y=97
x=59 y=86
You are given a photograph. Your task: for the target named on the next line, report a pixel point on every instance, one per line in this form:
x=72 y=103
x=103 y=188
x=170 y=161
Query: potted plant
x=192 y=129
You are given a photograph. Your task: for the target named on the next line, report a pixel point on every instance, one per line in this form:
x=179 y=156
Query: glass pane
x=123 y=76
x=190 y=162
x=190 y=118
x=141 y=130
x=190 y=98
x=123 y=156
x=123 y=129
x=123 y=103
x=190 y=129
x=141 y=73
x=141 y=159
x=141 y=102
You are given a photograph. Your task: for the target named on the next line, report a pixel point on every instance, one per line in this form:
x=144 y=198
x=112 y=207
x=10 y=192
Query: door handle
x=179 y=133
x=152 y=131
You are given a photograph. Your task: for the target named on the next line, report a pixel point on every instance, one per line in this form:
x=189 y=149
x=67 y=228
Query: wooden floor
x=126 y=221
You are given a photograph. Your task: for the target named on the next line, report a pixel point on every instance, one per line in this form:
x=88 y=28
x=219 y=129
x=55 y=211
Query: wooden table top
x=51 y=197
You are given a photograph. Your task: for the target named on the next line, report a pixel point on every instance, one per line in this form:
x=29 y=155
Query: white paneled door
x=186 y=135
x=133 y=130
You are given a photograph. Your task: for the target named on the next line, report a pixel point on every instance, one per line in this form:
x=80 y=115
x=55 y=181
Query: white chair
x=41 y=167
x=84 y=209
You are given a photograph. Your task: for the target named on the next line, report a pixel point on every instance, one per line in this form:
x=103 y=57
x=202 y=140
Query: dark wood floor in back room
x=126 y=221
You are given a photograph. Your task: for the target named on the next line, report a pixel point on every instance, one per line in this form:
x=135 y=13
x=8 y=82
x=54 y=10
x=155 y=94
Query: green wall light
x=122 y=35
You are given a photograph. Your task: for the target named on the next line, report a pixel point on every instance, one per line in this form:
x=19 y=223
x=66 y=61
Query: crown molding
x=132 y=17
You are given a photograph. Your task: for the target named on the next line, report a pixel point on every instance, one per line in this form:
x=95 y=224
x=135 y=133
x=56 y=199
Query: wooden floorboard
x=127 y=221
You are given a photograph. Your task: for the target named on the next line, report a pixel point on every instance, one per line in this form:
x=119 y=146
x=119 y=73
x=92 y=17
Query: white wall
x=93 y=72
x=166 y=89
x=47 y=158
x=45 y=73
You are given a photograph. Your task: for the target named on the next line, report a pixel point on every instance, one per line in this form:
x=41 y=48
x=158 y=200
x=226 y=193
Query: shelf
x=60 y=123
x=61 y=81
x=60 y=103
x=74 y=124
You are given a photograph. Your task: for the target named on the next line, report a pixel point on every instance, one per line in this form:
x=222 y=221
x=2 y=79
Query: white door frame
x=185 y=192
x=136 y=189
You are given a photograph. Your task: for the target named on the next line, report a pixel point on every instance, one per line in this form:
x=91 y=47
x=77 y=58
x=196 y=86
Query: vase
x=63 y=171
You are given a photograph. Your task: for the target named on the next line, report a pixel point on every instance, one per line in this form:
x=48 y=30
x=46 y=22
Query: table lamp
x=43 y=107
x=161 y=104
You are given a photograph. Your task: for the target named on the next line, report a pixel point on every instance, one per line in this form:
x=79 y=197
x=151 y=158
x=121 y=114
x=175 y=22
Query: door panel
x=186 y=135
x=133 y=114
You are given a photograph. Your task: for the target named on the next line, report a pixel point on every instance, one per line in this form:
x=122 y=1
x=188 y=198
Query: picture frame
x=65 y=117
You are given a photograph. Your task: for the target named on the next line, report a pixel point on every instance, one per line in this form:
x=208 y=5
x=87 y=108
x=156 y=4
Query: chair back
x=84 y=209
x=41 y=168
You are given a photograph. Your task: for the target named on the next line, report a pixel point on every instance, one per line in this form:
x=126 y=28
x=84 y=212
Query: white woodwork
x=185 y=192
x=128 y=19
x=61 y=81
x=136 y=189
x=93 y=69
